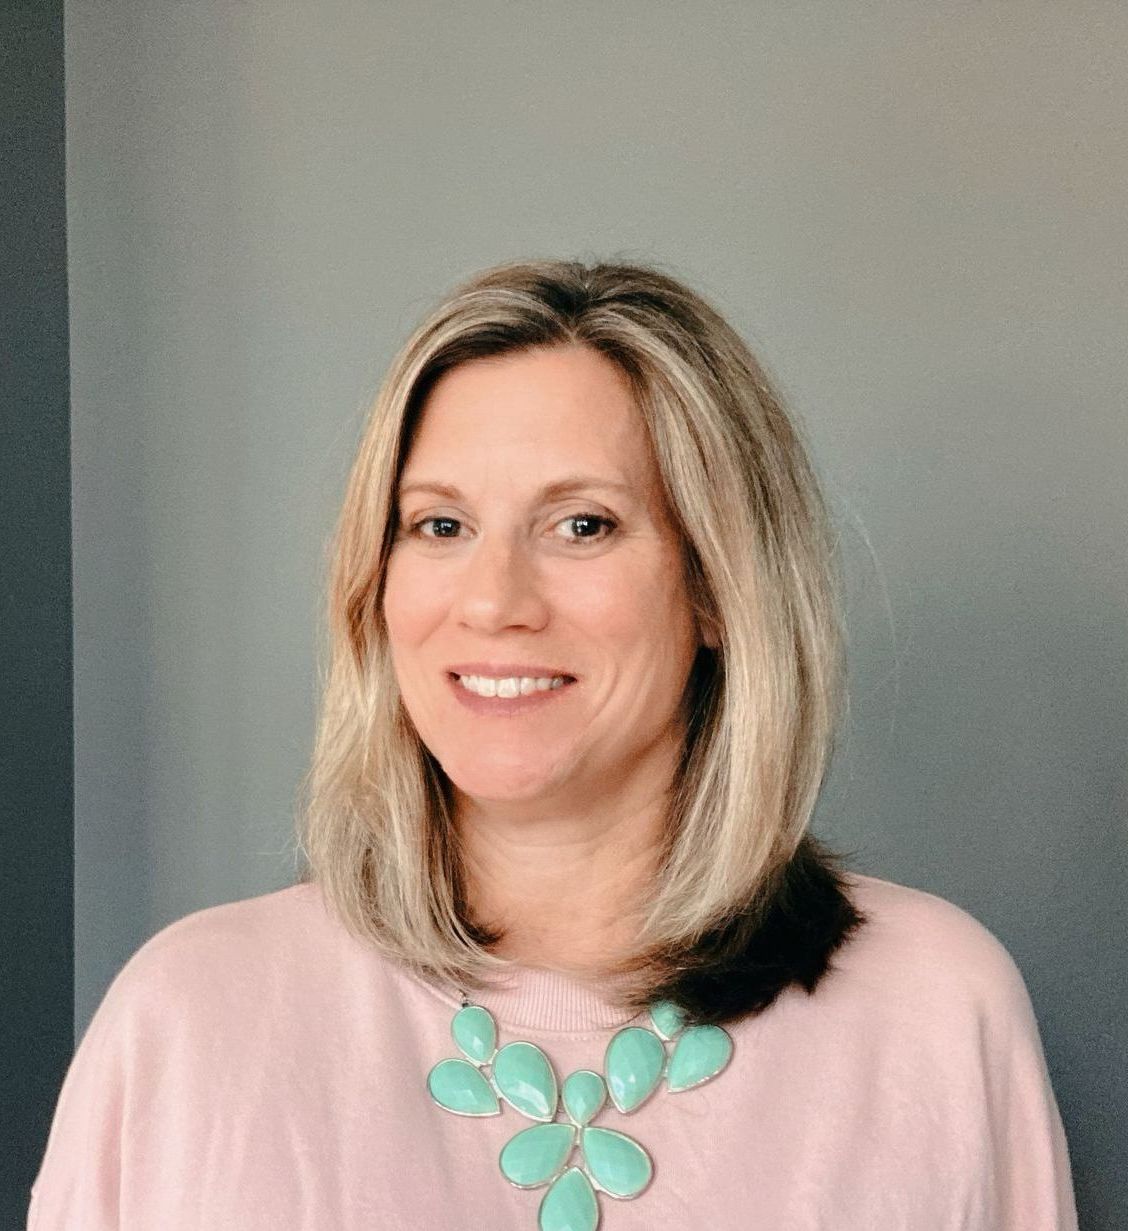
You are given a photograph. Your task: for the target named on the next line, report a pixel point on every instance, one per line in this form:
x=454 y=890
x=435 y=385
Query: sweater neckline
x=525 y=997
x=545 y=1000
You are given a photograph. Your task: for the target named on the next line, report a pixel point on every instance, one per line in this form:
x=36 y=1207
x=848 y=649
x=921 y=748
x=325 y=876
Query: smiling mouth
x=509 y=687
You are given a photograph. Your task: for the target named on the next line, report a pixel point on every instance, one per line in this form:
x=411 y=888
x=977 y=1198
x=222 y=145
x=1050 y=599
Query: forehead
x=547 y=407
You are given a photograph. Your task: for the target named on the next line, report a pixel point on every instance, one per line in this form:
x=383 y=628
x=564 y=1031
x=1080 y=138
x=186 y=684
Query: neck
x=562 y=882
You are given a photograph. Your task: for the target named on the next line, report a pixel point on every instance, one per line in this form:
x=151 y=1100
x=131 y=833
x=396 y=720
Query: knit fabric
x=254 y=1067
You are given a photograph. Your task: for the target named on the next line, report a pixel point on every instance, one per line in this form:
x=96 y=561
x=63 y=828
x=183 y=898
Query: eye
x=441 y=521
x=589 y=519
x=589 y=523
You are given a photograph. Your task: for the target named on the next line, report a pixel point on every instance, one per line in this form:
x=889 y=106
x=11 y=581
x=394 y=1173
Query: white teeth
x=508 y=687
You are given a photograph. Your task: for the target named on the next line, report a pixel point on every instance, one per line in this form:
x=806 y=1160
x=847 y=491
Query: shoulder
x=265 y=925
x=928 y=957
x=923 y=929
x=281 y=916
x=227 y=957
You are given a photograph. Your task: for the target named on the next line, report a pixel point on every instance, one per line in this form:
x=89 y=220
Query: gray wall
x=916 y=214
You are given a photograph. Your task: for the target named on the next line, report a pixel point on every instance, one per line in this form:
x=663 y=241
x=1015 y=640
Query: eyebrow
x=550 y=491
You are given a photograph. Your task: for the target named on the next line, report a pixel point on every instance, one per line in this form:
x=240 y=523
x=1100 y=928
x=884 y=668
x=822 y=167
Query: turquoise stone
x=536 y=1154
x=569 y=1205
x=699 y=1054
x=633 y=1064
x=617 y=1163
x=475 y=1032
x=608 y=1161
x=668 y=1019
x=584 y=1094
x=524 y=1078
x=459 y=1086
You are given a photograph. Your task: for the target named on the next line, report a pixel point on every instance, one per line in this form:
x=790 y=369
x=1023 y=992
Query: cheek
x=642 y=605
x=602 y=603
x=410 y=604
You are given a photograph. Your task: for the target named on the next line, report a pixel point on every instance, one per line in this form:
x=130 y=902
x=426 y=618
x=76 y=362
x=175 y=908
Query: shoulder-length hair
x=744 y=901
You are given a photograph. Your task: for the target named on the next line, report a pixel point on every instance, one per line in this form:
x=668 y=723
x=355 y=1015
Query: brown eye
x=590 y=524
x=439 y=521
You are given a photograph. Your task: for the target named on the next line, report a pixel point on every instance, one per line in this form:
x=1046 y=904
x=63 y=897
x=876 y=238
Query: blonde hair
x=761 y=568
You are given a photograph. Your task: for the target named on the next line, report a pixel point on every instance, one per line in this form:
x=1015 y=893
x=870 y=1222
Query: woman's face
x=533 y=541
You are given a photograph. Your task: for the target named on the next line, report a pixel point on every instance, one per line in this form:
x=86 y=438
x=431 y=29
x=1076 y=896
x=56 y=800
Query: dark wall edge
x=36 y=609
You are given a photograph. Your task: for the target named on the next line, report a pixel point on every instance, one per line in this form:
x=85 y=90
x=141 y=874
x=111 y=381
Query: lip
x=501 y=671
x=506 y=707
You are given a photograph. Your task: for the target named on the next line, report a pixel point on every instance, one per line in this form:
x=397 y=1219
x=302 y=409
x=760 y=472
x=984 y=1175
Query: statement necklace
x=611 y=1162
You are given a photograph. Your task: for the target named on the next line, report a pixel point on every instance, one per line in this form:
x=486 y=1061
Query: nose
x=499 y=587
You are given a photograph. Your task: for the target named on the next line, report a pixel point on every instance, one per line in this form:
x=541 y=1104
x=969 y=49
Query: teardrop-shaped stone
x=459 y=1086
x=617 y=1163
x=569 y=1205
x=699 y=1054
x=475 y=1032
x=668 y=1019
x=584 y=1094
x=633 y=1064
x=536 y=1154
x=524 y=1078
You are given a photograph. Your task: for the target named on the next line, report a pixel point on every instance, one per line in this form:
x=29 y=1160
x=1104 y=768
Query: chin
x=495 y=790
x=500 y=783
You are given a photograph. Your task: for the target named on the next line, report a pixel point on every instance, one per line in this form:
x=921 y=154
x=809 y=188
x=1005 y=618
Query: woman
x=565 y=954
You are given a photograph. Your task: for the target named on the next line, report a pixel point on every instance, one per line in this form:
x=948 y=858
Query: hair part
x=744 y=901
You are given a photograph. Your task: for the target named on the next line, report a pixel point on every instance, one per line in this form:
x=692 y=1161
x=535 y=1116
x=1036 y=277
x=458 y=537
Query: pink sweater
x=254 y=1067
